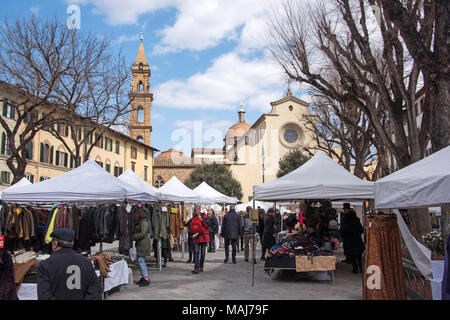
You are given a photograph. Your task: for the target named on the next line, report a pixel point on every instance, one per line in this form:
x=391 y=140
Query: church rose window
x=290 y=135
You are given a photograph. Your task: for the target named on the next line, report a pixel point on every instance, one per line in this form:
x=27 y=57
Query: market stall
x=319 y=178
x=425 y=183
x=84 y=200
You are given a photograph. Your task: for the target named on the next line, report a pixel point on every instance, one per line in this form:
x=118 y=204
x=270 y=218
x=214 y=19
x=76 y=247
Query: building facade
x=112 y=150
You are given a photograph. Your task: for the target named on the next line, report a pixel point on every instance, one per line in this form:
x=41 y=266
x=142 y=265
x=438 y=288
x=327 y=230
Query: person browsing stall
x=67 y=275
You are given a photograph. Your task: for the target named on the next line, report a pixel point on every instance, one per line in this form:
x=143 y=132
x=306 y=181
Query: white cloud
x=124 y=38
x=228 y=82
x=35 y=10
x=158 y=117
x=199 y=24
x=119 y=12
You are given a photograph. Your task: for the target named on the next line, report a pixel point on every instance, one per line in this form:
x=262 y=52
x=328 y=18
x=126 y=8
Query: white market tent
x=425 y=183
x=130 y=177
x=87 y=183
x=174 y=190
x=319 y=178
x=207 y=191
x=22 y=182
x=243 y=207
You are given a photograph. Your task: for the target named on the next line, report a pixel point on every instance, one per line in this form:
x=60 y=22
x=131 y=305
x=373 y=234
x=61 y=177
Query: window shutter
x=12 y=114
x=65 y=159
x=5 y=107
x=71 y=161
x=41 y=159
x=3 y=143
x=57 y=162
x=66 y=131
x=32 y=178
x=51 y=155
x=117 y=147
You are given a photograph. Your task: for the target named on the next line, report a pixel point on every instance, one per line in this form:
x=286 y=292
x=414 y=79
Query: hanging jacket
x=124 y=231
x=161 y=228
x=175 y=222
x=51 y=227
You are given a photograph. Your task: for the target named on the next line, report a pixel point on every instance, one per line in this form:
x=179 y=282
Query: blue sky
x=206 y=57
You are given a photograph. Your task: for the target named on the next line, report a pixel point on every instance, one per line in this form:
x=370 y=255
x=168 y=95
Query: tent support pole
x=253 y=248
x=159 y=254
x=182 y=232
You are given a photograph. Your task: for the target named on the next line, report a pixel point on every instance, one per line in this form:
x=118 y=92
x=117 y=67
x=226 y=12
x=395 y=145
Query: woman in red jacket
x=200 y=233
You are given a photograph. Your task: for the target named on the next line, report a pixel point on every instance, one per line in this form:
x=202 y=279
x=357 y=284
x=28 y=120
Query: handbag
x=133 y=253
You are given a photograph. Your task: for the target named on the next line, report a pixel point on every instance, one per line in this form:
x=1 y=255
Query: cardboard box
x=317 y=263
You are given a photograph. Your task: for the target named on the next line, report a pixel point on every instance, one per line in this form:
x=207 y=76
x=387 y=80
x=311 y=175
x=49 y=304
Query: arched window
x=159 y=182
x=140 y=87
x=140 y=139
x=140 y=114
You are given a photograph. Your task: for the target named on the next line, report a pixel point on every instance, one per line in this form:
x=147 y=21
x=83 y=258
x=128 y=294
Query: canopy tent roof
x=22 y=182
x=319 y=178
x=130 y=177
x=243 y=207
x=425 y=183
x=87 y=183
x=174 y=190
x=207 y=191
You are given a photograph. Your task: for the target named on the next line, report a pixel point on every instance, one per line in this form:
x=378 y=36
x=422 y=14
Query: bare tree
x=74 y=78
x=103 y=103
x=33 y=59
x=336 y=38
x=345 y=133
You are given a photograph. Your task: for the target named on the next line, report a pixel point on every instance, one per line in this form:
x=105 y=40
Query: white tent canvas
x=87 y=183
x=207 y=191
x=22 y=182
x=130 y=177
x=319 y=178
x=174 y=190
x=262 y=205
x=425 y=183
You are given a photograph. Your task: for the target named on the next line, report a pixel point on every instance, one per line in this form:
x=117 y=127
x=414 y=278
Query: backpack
x=196 y=226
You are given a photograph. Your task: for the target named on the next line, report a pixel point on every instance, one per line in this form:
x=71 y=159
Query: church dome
x=171 y=153
x=237 y=130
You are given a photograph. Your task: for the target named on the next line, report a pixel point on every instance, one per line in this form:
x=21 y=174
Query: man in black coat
x=67 y=275
x=231 y=230
x=353 y=244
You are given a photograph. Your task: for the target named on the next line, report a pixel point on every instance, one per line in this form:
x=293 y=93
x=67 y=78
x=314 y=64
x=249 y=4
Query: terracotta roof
x=184 y=162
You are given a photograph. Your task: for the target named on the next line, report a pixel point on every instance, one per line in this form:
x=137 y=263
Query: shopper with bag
x=200 y=233
x=142 y=238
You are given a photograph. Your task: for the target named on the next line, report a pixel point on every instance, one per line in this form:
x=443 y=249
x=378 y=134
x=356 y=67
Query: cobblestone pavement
x=234 y=282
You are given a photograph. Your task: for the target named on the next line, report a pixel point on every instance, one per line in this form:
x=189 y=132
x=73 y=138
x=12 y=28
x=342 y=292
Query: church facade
x=254 y=151
x=251 y=151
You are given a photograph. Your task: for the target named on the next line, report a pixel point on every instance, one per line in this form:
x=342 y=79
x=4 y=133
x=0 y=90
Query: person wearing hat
x=67 y=275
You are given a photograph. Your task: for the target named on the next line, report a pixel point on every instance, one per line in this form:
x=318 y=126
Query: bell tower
x=140 y=126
